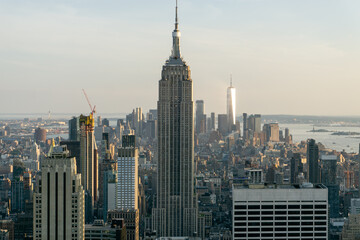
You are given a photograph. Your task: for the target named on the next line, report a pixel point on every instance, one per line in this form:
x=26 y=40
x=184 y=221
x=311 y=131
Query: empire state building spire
x=176 y=37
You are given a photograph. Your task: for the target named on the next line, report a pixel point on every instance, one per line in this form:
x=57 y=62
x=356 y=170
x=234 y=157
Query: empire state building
x=176 y=208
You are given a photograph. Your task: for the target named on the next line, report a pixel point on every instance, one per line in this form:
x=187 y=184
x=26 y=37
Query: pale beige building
x=59 y=198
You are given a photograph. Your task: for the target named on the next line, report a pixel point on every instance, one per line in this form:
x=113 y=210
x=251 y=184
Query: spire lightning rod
x=230 y=80
x=176 y=16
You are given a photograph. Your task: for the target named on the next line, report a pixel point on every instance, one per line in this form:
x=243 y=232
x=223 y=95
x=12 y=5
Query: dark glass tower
x=176 y=210
x=313 y=161
x=74 y=129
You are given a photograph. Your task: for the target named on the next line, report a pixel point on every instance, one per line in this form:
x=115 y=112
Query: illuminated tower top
x=231 y=105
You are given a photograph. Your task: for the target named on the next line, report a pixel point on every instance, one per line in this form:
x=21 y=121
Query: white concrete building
x=59 y=204
x=127 y=185
x=280 y=212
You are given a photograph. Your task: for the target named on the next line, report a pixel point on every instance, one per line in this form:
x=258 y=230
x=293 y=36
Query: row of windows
x=239 y=213
x=323 y=206
x=280 y=229
x=236 y=218
x=239 y=235
x=251 y=224
x=289 y=201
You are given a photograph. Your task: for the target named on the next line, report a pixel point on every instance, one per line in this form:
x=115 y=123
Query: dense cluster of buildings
x=173 y=173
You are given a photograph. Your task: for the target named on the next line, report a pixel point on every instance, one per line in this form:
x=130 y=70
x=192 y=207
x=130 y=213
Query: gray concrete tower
x=176 y=209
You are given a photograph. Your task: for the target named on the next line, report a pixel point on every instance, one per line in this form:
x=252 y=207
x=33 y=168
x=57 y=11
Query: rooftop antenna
x=176 y=16
x=230 y=80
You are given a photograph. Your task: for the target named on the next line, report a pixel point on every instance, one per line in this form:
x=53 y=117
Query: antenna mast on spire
x=230 y=80
x=176 y=16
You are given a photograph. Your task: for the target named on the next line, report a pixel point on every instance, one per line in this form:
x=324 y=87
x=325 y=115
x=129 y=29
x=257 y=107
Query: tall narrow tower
x=312 y=156
x=230 y=111
x=88 y=163
x=176 y=210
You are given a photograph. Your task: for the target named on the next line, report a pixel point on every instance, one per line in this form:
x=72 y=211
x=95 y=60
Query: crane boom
x=92 y=109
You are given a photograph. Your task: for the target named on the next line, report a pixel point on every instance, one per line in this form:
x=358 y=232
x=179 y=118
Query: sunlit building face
x=231 y=104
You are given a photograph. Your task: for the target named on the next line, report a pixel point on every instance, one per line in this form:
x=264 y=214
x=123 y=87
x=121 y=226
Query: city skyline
x=48 y=47
x=175 y=171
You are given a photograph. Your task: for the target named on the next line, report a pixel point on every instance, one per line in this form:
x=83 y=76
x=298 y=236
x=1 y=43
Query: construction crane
x=92 y=109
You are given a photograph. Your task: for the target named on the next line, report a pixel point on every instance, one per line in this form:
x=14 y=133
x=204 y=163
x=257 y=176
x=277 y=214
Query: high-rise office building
x=200 y=125
x=213 y=121
x=328 y=169
x=108 y=193
x=271 y=131
x=88 y=162
x=254 y=123
x=127 y=187
x=127 y=177
x=105 y=122
x=328 y=178
x=287 y=136
x=28 y=187
x=59 y=198
x=312 y=157
x=296 y=167
x=17 y=195
x=245 y=126
x=176 y=208
x=137 y=120
x=280 y=212
x=74 y=129
x=231 y=106
x=223 y=124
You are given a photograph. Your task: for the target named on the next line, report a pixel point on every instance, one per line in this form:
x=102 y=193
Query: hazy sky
x=286 y=56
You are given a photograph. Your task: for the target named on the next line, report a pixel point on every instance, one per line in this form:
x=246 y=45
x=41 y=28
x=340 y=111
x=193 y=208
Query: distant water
x=348 y=143
x=300 y=132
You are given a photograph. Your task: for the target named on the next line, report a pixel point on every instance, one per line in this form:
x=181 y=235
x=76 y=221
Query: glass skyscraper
x=230 y=111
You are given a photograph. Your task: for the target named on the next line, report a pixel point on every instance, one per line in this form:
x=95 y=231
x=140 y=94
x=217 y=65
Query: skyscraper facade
x=245 y=126
x=271 y=131
x=213 y=121
x=59 y=198
x=223 y=124
x=280 y=212
x=127 y=177
x=296 y=167
x=200 y=126
x=254 y=123
x=231 y=104
x=176 y=209
x=17 y=195
x=313 y=161
x=328 y=178
x=74 y=129
x=88 y=162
